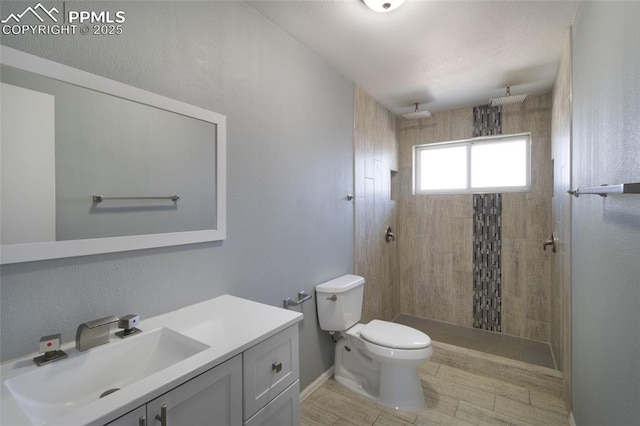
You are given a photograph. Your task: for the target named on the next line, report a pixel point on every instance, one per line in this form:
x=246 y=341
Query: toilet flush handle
x=333 y=298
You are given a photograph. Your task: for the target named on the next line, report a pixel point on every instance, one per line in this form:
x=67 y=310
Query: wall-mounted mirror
x=91 y=165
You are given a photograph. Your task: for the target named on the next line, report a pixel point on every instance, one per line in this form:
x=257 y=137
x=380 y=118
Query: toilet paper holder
x=303 y=296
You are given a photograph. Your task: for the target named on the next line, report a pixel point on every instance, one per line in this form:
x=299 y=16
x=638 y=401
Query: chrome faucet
x=94 y=333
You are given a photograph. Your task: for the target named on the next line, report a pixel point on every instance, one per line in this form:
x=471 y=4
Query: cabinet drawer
x=269 y=368
x=282 y=411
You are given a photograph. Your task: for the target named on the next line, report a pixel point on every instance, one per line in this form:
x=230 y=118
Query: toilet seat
x=387 y=354
x=394 y=336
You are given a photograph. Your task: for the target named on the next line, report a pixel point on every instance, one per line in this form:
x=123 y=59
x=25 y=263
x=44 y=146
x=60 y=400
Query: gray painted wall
x=606 y=231
x=289 y=161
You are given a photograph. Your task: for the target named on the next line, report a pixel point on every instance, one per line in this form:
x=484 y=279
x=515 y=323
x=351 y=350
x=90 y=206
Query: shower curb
x=520 y=373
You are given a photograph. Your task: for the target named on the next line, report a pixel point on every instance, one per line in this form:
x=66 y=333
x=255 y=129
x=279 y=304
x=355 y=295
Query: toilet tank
x=339 y=302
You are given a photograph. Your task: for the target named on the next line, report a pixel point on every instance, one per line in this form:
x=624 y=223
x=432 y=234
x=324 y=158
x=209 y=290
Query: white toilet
x=378 y=360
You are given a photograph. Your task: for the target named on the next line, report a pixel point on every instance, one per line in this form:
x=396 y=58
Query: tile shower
x=429 y=271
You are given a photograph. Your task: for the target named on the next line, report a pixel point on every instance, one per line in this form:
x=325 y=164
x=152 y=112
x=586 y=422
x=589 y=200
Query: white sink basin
x=66 y=385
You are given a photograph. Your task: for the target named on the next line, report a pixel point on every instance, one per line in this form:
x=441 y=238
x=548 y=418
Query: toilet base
x=395 y=386
x=401 y=389
x=354 y=387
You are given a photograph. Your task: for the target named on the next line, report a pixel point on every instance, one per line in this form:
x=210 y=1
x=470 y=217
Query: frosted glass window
x=501 y=164
x=444 y=168
x=487 y=164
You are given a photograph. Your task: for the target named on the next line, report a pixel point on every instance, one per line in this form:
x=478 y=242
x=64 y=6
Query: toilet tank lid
x=340 y=284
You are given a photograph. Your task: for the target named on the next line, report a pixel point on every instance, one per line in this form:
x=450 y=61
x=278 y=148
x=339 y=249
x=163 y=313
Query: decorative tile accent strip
x=487 y=121
x=487 y=236
x=487 y=250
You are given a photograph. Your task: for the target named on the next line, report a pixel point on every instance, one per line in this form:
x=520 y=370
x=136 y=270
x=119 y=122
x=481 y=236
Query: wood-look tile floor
x=453 y=397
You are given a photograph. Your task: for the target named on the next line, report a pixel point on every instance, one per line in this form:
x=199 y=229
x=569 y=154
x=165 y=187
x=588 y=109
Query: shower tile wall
x=375 y=157
x=561 y=262
x=527 y=223
x=435 y=233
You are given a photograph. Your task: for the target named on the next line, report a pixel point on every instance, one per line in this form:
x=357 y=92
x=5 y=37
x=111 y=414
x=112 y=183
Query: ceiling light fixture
x=507 y=99
x=383 y=6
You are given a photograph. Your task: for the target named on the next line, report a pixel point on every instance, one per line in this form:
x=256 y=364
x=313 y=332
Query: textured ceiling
x=443 y=54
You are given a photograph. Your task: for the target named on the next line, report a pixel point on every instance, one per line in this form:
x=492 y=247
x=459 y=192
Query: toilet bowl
x=379 y=359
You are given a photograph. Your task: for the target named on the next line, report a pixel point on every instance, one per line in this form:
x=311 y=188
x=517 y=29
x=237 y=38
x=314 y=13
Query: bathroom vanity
x=224 y=361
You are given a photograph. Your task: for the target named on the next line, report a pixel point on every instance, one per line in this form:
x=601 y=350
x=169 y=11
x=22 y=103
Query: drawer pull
x=142 y=421
x=162 y=417
x=276 y=367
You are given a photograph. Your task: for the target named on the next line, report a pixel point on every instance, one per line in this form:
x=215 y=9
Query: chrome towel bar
x=101 y=198
x=604 y=190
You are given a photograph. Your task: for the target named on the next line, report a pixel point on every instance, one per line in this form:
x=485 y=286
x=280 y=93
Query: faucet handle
x=50 y=348
x=50 y=343
x=128 y=324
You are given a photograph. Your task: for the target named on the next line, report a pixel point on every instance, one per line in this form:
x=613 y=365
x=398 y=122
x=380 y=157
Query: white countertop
x=228 y=324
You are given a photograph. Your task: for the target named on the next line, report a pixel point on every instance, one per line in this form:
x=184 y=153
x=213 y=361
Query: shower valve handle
x=553 y=241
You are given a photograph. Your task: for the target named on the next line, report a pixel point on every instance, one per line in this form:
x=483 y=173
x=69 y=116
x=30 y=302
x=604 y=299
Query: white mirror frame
x=16 y=253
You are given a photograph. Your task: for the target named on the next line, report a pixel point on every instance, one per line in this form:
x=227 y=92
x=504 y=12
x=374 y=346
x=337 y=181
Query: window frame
x=468 y=143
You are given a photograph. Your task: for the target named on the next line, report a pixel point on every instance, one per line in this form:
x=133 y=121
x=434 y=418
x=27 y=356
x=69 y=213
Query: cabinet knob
x=276 y=367
x=142 y=421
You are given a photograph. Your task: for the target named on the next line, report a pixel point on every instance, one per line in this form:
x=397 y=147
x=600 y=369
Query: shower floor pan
x=530 y=351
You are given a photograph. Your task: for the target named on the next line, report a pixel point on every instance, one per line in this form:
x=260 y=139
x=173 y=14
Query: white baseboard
x=316 y=384
x=572 y=421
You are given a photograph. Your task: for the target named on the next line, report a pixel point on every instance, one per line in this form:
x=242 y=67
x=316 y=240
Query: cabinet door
x=212 y=398
x=270 y=367
x=136 y=417
x=284 y=410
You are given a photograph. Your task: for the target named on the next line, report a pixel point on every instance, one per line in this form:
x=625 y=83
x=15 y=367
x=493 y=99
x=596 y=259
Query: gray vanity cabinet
x=260 y=387
x=212 y=398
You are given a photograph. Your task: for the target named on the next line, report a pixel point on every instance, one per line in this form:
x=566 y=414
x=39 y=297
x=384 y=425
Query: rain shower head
x=417 y=113
x=507 y=99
